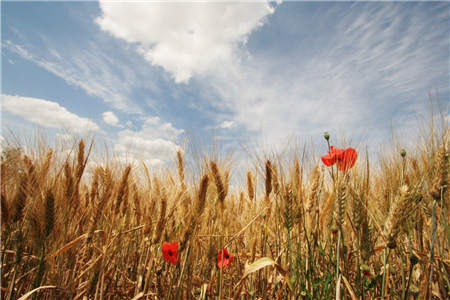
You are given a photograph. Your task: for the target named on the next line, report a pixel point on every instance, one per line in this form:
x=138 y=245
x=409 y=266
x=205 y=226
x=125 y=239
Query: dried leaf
x=35 y=290
x=262 y=263
x=349 y=288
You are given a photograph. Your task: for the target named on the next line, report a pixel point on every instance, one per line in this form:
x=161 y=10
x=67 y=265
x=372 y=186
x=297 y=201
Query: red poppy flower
x=345 y=158
x=170 y=252
x=226 y=260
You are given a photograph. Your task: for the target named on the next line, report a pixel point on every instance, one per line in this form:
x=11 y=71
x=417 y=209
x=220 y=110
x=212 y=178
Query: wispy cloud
x=47 y=113
x=89 y=69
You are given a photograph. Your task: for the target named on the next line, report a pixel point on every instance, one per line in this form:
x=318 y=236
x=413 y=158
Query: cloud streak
x=89 y=69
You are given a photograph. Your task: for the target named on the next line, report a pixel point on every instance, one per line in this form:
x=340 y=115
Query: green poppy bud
x=403 y=153
x=334 y=229
x=413 y=259
x=365 y=269
x=391 y=244
x=414 y=291
x=326 y=135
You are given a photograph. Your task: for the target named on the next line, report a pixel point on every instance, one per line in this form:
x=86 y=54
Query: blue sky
x=146 y=77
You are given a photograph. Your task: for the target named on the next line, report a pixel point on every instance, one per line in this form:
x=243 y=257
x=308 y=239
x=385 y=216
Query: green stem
x=403 y=171
x=289 y=248
x=149 y=273
x=433 y=240
x=385 y=257
x=329 y=150
x=409 y=281
x=337 y=255
x=174 y=275
x=358 y=267
x=219 y=273
x=185 y=261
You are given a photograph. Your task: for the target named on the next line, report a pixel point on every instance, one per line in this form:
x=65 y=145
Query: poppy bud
x=413 y=259
x=414 y=291
x=334 y=228
x=391 y=244
x=436 y=194
x=403 y=153
x=326 y=135
x=366 y=270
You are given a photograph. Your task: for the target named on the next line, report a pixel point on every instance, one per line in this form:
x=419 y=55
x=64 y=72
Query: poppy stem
x=289 y=250
x=337 y=264
x=337 y=254
x=433 y=238
x=219 y=279
x=149 y=273
x=185 y=260
x=403 y=171
x=383 y=283
x=332 y=168
x=411 y=267
x=172 y=281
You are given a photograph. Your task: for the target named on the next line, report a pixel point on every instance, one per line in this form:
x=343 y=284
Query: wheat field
x=296 y=228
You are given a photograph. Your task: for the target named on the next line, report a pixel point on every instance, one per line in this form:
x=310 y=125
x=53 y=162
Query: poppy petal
x=336 y=152
x=328 y=160
x=348 y=159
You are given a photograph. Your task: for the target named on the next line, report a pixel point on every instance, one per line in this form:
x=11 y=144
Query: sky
x=151 y=78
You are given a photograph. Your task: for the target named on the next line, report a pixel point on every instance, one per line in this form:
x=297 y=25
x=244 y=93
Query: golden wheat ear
x=180 y=167
x=250 y=186
x=440 y=183
x=161 y=194
x=221 y=193
x=122 y=192
x=268 y=179
x=5 y=210
x=200 y=203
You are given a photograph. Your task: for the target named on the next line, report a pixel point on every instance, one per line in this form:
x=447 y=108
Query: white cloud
x=47 y=113
x=184 y=38
x=110 y=118
x=153 y=127
x=155 y=143
x=226 y=124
